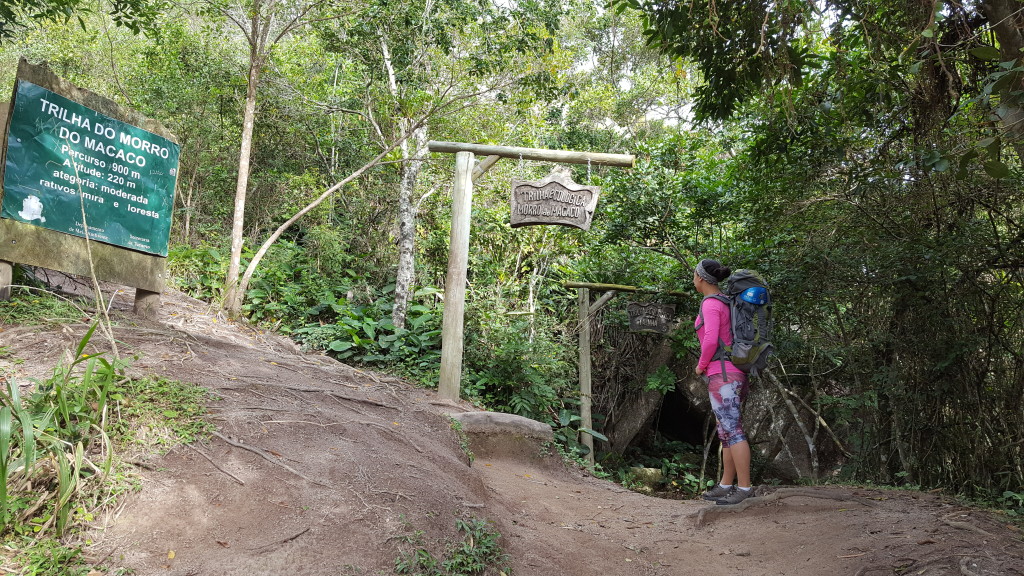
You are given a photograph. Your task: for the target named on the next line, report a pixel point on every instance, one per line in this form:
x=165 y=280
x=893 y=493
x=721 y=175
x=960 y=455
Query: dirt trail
x=321 y=469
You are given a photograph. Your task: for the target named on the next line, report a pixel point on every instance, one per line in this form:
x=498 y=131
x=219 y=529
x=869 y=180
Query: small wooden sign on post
x=553 y=200
x=650 y=317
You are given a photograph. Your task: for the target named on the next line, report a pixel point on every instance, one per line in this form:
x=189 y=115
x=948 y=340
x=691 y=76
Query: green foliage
x=659 y=218
x=663 y=380
x=508 y=371
x=56 y=423
x=456 y=427
x=60 y=439
x=364 y=333
x=31 y=306
x=568 y=432
x=198 y=272
x=570 y=453
x=156 y=412
x=48 y=557
x=739 y=46
x=1013 y=503
x=479 y=552
x=57 y=459
x=679 y=462
x=511 y=374
x=136 y=15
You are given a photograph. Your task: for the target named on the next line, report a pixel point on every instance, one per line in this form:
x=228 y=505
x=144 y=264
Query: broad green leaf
x=595 y=434
x=997 y=169
x=28 y=446
x=340 y=345
x=986 y=53
x=6 y=433
x=84 y=341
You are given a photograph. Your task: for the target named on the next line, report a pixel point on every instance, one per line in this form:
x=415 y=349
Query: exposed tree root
x=269 y=458
x=963 y=525
x=709 y=512
x=215 y=465
x=340 y=395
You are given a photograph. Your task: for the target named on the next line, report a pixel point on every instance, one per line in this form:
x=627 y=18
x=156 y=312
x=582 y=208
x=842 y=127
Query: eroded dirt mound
x=317 y=468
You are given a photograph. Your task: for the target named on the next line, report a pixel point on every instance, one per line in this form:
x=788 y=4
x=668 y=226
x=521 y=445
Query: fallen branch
x=279 y=542
x=301 y=422
x=397 y=495
x=716 y=510
x=269 y=458
x=201 y=453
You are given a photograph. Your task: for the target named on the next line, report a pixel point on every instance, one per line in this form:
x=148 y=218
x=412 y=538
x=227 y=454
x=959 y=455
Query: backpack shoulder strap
x=700 y=311
x=721 y=353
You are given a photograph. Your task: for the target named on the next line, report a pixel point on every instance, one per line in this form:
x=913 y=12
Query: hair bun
x=715 y=268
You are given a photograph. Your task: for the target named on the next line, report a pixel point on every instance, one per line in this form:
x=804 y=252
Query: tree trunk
x=413 y=148
x=232 y=294
x=406 y=275
x=1007 y=21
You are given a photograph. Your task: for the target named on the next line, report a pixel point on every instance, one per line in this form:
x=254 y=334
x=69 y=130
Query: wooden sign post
x=458 y=250
x=87 y=187
x=455 y=281
x=586 y=313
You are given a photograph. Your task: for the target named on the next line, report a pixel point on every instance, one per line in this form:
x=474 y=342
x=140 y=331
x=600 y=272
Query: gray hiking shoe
x=735 y=497
x=717 y=492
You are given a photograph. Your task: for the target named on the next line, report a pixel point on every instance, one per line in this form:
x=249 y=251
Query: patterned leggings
x=727 y=396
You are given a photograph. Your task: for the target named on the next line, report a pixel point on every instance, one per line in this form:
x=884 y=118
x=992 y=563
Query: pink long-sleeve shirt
x=716 y=325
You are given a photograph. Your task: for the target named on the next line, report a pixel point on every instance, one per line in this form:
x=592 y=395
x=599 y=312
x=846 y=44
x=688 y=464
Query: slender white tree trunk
x=413 y=149
x=406 y=277
x=232 y=294
x=251 y=268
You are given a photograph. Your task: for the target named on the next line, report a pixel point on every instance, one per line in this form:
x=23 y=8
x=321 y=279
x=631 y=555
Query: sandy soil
x=318 y=468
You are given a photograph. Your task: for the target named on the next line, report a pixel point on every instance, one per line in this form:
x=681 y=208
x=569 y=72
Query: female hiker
x=727 y=385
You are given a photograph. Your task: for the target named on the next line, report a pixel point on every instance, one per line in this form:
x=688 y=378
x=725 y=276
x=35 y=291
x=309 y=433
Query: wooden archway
x=458 y=250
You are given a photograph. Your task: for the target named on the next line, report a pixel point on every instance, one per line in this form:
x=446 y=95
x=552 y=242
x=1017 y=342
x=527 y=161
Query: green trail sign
x=64 y=159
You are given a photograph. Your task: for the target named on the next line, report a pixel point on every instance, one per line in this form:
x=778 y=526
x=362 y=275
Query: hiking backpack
x=750 y=308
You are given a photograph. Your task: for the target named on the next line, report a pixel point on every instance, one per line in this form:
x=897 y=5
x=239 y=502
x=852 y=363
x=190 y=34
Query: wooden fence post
x=586 y=420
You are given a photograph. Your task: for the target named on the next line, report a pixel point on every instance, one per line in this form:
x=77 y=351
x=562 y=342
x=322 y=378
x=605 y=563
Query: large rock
x=498 y=435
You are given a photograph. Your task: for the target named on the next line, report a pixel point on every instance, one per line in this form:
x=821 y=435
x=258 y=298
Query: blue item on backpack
x=750 y=310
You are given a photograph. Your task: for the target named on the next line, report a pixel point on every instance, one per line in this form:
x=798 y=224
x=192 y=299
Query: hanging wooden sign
x=650 y=317
x=553 y=200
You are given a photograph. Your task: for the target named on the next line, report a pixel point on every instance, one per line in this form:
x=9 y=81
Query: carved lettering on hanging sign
x=554 y=200
x=650 y=317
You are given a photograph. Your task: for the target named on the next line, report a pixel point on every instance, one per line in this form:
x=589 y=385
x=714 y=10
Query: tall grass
x=45 y=439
